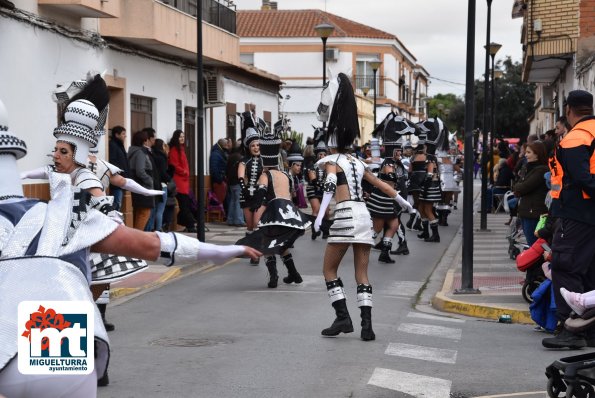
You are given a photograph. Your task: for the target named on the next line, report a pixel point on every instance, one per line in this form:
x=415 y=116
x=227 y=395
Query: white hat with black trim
x=11 y=149
x=78 y=129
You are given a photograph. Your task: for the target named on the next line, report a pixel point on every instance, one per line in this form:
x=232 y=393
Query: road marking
x=423 y=353
x=431 y=330
x=421 y=315
x=515 y=394
x=403 y=288
x=410 y=383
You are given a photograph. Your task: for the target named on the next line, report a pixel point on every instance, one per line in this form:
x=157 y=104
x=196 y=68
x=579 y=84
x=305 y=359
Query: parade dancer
x=279 y=221
x=448 y=184
x=249 y=171
x=351 y=222
x=315 y=177
x=45 y=249
x=384 y=210
x=417 y=176
x=430 y=194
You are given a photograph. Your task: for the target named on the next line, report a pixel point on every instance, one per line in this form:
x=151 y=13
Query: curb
x=444 y=303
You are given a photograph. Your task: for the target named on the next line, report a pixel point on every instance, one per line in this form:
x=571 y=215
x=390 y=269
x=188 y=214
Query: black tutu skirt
x=431 y=192
x=280 y=226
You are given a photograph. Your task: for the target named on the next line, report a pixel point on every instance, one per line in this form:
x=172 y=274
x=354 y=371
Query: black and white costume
x=351 y=221
x=252 y=171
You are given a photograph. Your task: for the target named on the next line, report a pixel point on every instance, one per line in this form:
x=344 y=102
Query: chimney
x=268 y=5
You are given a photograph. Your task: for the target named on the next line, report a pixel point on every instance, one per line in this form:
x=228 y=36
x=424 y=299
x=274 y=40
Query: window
x=364 y=74
x=247 y=58
x=141 y=112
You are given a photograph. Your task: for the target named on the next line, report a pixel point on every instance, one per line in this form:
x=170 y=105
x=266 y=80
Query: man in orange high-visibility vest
x=573 y=185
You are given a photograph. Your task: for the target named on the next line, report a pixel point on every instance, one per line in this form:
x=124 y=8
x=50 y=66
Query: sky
x=435 y=31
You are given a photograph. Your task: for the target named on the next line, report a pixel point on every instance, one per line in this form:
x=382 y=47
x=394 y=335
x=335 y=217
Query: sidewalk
x=494 y=274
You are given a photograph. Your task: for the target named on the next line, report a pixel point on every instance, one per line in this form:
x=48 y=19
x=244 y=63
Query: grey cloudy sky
x=435 y=31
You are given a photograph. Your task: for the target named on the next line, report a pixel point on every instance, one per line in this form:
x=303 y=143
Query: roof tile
x=300 y=23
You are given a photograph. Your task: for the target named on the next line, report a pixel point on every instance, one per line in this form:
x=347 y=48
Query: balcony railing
x=221 y=13
x=361 y=82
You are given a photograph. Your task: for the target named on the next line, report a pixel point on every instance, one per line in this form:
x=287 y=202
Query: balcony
x=549 y=36
x=220 y=13
x=84 y=8
x=362 y=82
x=159 y=27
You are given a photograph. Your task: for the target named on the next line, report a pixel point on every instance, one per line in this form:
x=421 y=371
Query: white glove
x=326 y=199
x=175 y=247
x=135 y=187
x=40 y=173
x=404 y=204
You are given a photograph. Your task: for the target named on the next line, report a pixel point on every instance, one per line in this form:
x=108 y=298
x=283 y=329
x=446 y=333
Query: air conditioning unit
x=547 y=98
x=331 y=54
x=214 y=89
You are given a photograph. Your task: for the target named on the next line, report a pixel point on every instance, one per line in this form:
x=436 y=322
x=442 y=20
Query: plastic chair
x=214 y=208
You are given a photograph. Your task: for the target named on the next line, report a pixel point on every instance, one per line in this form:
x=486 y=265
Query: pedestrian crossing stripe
x=421 y=315
x=422 y=353
x=431 y=330
x=410 y=383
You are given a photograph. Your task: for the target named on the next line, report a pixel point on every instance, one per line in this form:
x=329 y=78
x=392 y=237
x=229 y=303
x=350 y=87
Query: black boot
x=314 y=233
x=425 y=234
x=565 y=339
x=109 y=327
x=409 y=224
x=384 y=257
x=402 y=249
x=271 y=264
x=342 y=323
x=435 y=237
x=292 y=274
x=103 y=380
x=418 y=224
x=364 y=300
x=367 y=333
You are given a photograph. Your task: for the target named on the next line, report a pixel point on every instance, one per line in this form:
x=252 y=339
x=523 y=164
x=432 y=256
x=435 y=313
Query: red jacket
x=178 y=159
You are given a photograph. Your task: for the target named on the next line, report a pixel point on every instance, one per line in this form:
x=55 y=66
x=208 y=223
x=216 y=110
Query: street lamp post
x=375 y=64
x=494 y=47
x=483 y=223
x=324 y=30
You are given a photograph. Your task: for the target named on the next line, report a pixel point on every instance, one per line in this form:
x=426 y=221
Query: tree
x=449 y=108
x=513 y=101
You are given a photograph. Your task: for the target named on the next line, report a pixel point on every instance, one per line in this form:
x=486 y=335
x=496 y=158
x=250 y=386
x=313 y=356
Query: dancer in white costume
x=44 y=247
x=351 y=222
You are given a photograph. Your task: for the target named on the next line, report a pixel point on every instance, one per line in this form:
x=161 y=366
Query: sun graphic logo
x=56 y=337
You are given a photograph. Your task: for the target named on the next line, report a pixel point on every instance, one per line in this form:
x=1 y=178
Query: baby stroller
x=516 y=239
x=530 y=261
x=574 y=375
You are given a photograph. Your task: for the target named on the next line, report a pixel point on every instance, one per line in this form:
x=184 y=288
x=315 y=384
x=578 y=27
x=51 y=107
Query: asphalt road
x=223 y=333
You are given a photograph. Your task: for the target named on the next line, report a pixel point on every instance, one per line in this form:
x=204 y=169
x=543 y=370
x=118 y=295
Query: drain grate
x=190 y=341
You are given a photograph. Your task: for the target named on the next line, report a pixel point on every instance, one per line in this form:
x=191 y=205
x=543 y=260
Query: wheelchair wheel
x=528 y=289
x=580 y=390
x=555 y=387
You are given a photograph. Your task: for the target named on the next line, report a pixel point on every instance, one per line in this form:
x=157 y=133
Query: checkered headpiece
x=78 y=129
x=8 y=142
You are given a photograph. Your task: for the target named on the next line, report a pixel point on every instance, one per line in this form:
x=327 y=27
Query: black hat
x=319 y=141
x=578 y=98
x=295 y=154
x=270 y=142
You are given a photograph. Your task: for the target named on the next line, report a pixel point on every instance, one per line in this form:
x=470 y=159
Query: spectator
x=235 y=217
x=179 y=161
x=160 y=152
x=502 y=181
x=573 y=252
x=562 y=127
x=141 y=171
x=157 y=182
x=217 y=167
x=118 y=157
x=531 y=190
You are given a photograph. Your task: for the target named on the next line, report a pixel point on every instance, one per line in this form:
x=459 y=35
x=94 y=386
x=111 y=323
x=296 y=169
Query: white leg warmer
x=179 y=247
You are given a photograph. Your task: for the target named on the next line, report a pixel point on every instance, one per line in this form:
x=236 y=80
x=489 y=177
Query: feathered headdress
x=319 y=141
x=343 y=125
x=396 y=130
